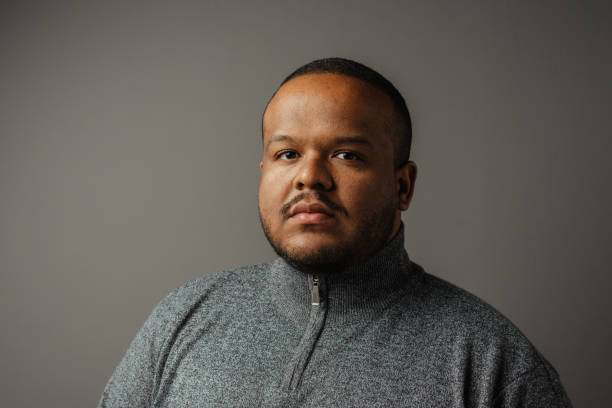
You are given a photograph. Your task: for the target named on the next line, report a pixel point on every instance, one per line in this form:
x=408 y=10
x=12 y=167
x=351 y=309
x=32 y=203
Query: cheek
x=264 y=197
x=270 y=193
x=367 y=195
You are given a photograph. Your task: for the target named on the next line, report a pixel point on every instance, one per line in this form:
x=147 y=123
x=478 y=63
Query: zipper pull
x=315 y=290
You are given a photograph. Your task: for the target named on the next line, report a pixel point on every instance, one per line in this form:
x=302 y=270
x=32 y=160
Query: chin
x=309 y=251
x=312 y=243
x=310 y=256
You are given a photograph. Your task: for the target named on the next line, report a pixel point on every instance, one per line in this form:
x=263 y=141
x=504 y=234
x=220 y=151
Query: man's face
x=329 y=195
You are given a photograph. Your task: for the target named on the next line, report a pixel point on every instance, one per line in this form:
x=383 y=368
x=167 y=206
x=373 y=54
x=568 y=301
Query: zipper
x=315 y=290
x=316 y=321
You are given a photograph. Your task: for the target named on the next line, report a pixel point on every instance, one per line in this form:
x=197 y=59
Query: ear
x=405 y=178
x=261 y=164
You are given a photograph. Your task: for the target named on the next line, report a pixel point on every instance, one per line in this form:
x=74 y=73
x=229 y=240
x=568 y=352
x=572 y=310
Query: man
x=343 y=317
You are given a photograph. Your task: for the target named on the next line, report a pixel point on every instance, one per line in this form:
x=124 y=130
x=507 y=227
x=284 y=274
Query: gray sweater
x=383 y=334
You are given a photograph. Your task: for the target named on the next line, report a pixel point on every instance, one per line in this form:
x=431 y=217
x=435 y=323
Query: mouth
x=310 y=218
x=311 y=213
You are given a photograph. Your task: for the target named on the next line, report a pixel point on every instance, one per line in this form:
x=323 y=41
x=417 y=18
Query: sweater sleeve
x=538 y=388
x=133 y=382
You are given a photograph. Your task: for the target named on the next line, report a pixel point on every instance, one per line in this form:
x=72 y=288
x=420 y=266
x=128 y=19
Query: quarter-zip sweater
x=380 y=334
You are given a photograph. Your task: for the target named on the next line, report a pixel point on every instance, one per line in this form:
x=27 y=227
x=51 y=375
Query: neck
x=352 y=291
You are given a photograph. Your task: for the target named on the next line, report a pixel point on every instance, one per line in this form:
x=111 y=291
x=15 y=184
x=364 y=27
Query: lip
x=311 y=213
x=315 y=207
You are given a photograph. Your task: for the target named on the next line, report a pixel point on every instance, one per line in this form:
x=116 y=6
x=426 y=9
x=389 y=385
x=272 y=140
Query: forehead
x=328 y=103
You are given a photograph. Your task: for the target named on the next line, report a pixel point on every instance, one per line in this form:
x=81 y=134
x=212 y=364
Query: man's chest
x=267 y=362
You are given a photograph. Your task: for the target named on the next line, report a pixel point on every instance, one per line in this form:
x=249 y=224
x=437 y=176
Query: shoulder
x=461 y=311
x=473 y=329
x=481 y=340
x=218 y=286
x=476 y=338
x=222 y=280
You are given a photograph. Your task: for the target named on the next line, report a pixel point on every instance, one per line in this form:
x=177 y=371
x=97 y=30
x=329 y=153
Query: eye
x=347 y=156
x=286 y=155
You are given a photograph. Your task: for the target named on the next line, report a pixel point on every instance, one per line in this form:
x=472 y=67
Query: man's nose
x=314 y=174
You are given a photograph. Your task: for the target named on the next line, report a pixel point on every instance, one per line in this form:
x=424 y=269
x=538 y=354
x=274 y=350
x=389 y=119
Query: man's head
x=335 y=169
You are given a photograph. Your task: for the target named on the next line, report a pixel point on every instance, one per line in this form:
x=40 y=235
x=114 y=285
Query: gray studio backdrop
x=130 y=144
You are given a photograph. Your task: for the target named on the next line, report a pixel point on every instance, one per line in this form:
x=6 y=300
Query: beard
x=373 y=232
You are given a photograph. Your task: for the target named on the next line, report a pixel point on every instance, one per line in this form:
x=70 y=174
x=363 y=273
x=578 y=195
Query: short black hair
x=347 y=67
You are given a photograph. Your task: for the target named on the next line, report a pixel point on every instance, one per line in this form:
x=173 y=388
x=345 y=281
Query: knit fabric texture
x=383 y=334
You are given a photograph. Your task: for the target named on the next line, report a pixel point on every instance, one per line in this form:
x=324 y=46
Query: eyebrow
x=278 y=138
x=340 y=140
x=353 y=140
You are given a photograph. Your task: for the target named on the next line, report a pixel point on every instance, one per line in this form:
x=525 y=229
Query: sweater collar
x=357 y=292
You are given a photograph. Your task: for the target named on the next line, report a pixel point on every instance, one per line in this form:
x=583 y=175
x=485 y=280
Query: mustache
x=316 y=196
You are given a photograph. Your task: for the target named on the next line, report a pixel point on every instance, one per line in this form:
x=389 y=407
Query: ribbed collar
x=357 y=292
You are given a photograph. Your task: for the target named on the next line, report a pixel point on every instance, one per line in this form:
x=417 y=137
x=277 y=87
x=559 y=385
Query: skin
x=330 y=139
